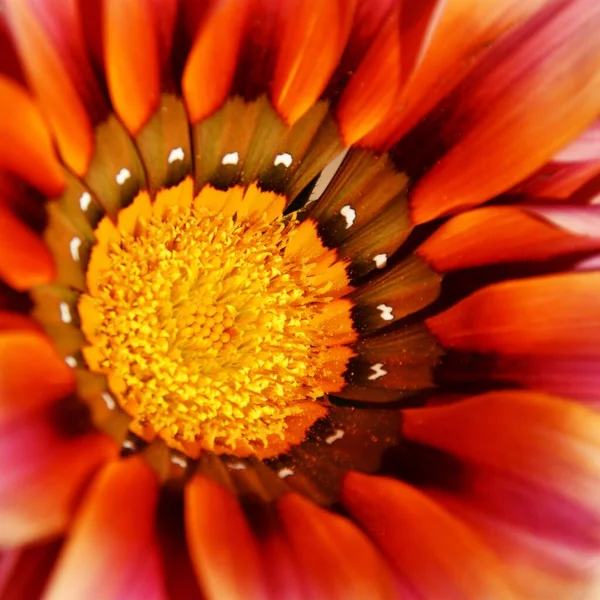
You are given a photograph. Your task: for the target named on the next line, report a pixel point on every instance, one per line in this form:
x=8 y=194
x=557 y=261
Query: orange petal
x=525 y=102
x=61 y=21
x=31 y=373
x=556 y=315
x=446 y=42
x=374 y=87
x=25 y=260
x=213 y=58
x=430 y=549
x=547 y=441
x=336 y=559
x=504 y=234
x=42 y=476
x=26 y=148
x=223 y=551
x=111 y=551
x=53 y=86
x=313 y=41
x=132 y=60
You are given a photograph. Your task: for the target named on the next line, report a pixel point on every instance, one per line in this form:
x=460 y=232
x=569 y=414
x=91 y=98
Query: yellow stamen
x=211 y=336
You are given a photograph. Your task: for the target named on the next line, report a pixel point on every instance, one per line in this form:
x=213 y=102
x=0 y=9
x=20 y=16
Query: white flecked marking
x=237 y=466
x=122 y=176
x=284 y=159
x=129 y=445
x=338 y=434
x=74 y=246
x=380 y=260
x=387 y=312
x=85 y=200
x=65 y=312
x=108 y=400
x=285 y=472
x=175 y=155
x=349 y=214
x=71 y=361
x=232 y=158
x=180 y=461
x=378 y=371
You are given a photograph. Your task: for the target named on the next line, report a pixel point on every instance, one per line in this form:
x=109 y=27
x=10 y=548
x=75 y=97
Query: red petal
x=26 y=148
x=132 y=60
x=432 y=551
x=25 y=260
x=374 y=87
x=313 y=41
x=537 y=568
x=223 y=551
x=527 y=100
x=213 y=58
x=336 y=558
x=549 y=442
x=111 y=551
x=31 y=373
x=446 y=41
x=557 y=315
x=54 y=87
x=41 y=476
x=505 y=233
x=24 y=572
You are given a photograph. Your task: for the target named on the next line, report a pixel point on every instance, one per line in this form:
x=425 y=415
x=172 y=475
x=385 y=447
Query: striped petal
x=547 y=316
x=320 y=541
x=313 y=41
x=432 y=551
x=220 y=36
x=31 y=373
x=529 y=98
x=111 y=551
x=446 y=42
x=25 y=260
x=26 y=141
x=224 y=552
x=53 y=85
x=498 y=234
x=132 y=61
x=42 y=475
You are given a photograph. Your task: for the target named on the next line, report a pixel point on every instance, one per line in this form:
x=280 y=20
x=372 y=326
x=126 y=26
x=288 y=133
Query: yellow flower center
x=207 y=324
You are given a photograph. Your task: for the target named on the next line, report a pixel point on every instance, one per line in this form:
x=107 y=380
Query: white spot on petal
x=74 y=246
x=122 y=176
x=85 y=200
x=338 y=434
x=108 y=400
x=180 y=461
x=349 y=214
x=237 y=466
x=387 y=313
x=72 y=362
x=175 y=155
x=284 y=159
x=65 y=312
x=380 y=260
x=285 y=472
x=231 y=159
x=378 y=371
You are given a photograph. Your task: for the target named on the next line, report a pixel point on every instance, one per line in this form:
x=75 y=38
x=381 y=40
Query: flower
x=299 y=299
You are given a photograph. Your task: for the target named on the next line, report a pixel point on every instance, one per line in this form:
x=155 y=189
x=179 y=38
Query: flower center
x=206 y=321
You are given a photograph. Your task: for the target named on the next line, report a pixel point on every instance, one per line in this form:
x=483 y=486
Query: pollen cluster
x=206 y=331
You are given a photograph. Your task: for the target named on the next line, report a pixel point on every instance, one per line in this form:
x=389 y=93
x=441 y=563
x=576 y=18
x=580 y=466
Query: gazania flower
x=300 y=299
